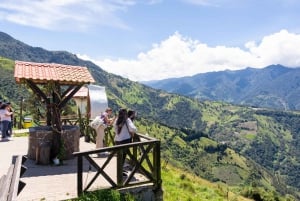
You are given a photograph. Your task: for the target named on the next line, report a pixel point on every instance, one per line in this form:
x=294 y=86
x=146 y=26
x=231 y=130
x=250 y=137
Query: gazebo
x=55 y=84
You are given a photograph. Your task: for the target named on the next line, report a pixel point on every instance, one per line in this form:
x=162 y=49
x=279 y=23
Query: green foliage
x=181 y=185
x=9 y=90
x=217 y=162
x=259 y=193
x=105 y=195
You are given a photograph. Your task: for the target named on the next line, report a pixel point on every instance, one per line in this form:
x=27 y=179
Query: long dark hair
x=3 y=106
x=122 y=117
x=131 y=114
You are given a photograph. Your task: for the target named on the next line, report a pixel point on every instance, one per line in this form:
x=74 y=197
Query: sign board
x=98 y=100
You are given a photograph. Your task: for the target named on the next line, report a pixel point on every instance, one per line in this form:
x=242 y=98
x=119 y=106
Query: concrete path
x=49 y=182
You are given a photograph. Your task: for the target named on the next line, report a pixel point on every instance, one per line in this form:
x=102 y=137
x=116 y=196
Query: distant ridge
x=274 y=86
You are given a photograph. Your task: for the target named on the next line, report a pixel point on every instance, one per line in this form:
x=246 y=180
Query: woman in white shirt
x=124 y=129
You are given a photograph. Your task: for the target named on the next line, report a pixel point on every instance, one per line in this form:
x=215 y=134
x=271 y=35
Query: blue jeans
x=4 y=128
x=9 y=130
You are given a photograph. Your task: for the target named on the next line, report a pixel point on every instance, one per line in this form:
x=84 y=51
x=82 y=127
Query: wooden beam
x=70 y=88
x=36 y=89
x=68 y=97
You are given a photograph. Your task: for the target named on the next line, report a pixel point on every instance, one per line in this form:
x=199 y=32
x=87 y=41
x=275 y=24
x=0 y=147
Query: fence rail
x=10 y=184
x=143 y=155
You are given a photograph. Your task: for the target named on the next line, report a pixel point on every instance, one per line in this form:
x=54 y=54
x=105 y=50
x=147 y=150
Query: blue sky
x=158 y=39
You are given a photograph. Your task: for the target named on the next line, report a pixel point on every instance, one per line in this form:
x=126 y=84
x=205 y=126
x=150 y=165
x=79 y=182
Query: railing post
x=158 y=192
x=157 y=165
x=120 y=167
x=79 y=175
x=135 y=148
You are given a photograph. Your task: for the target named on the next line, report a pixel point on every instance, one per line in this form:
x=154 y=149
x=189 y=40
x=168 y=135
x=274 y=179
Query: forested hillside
x=254 y=152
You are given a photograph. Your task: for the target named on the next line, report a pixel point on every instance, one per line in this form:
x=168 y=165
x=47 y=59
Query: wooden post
x=120 y=167
x=21 y=113
x=157 y=165
x=135 y=138
x=79 y=175
x=56 y=123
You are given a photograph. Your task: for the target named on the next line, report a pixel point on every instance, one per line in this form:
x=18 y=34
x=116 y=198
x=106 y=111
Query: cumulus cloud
x=64 y=15
x=179 y=56
x=278 y=48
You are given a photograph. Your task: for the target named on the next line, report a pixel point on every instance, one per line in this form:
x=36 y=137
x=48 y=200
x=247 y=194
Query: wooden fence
x=143 y=155
x=10 y=184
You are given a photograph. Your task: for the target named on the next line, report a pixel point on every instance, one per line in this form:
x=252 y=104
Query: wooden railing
x=143 y=155
x=10 y=184
x=72 y=120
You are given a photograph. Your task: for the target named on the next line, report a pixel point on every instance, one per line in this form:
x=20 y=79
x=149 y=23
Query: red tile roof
x=42 y=73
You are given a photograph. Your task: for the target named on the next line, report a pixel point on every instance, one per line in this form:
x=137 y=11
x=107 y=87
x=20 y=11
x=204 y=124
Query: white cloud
x=179 y=56
x=279 y=48
x=66 y=14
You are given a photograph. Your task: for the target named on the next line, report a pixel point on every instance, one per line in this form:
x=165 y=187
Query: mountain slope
x=275 y=86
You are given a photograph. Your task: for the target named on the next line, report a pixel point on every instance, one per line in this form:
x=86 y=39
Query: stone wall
x=40 y=139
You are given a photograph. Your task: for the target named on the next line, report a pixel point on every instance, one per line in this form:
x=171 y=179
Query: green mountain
x=274 y=86
x=254 y=152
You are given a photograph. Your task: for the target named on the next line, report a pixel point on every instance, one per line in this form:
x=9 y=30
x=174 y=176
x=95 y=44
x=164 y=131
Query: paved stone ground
x=49 y=182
